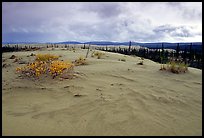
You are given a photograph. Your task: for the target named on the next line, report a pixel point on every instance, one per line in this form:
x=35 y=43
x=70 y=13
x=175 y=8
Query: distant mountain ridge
x=127 y=43
x=98 y=43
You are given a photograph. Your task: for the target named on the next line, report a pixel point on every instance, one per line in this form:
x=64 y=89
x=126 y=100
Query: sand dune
x=117 y=98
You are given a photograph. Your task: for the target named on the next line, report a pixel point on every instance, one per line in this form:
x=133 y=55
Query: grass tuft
x=175 y=67
x=97 y=54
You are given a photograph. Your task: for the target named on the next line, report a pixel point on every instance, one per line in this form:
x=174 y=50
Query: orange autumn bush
x=45 y=64
x=57 y=67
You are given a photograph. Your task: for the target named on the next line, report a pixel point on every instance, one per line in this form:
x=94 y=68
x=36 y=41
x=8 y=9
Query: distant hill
x=6 y=43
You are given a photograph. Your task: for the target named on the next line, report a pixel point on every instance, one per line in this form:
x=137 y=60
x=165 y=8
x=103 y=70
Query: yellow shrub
x=57 y=67
x=34 y=69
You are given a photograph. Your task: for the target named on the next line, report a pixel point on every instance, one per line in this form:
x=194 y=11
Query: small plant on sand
x=32 y=54
x=92 y=54
x=80 y=61
x=74 y=49
x=176 y=66
x=97 y=54
x=12 y=57
x=141 y=61
x=162 y=67
x=46 y=57
x=122 y=59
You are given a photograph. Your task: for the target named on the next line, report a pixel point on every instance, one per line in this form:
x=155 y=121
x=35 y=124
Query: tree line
x=189 y=55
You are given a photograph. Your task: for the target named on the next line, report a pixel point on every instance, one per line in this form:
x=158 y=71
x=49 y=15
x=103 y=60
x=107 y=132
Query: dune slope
x=116 y=98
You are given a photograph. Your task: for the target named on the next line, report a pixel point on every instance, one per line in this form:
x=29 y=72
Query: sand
x=116 y=98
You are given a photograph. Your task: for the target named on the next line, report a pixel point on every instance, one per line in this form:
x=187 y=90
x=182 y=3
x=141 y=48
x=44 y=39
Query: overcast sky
x=111 y=21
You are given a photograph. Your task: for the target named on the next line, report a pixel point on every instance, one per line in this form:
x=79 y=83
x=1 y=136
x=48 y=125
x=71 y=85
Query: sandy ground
x=118 y=98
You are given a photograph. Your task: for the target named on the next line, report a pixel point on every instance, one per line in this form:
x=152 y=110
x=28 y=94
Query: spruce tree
x=129 y=47
x=177 y=50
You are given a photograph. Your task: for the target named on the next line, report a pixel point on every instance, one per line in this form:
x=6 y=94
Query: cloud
x=112 y=21
x=104 y=10
x=177 y=31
